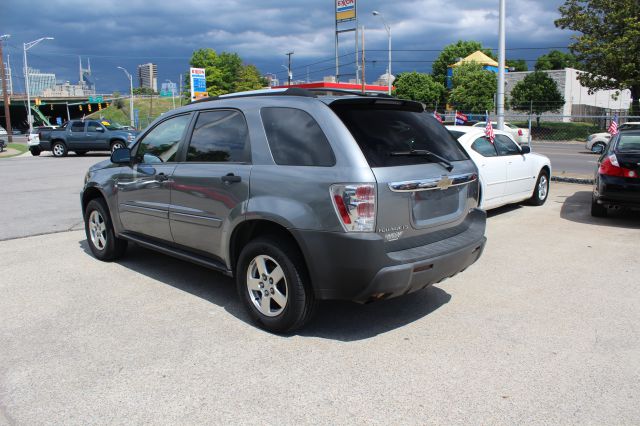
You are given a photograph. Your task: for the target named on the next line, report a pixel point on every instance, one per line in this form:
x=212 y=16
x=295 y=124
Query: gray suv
x=300 y=196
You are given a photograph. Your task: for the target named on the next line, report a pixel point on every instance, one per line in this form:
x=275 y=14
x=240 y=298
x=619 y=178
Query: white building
x=577 y=100
x=40 y=81
x=148 y=76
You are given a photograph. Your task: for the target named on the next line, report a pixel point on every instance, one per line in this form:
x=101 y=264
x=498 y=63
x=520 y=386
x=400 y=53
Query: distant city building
x=85 y=77
x=148 y=76
x=40 y=81
x=383 y=80
x=272 y=80
x=67 y=90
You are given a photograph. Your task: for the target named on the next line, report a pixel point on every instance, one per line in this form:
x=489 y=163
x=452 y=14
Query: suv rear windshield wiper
x=424 y=153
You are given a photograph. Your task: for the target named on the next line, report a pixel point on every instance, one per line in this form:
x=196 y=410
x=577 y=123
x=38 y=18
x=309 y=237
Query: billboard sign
x=345 y=10
x=198 y=84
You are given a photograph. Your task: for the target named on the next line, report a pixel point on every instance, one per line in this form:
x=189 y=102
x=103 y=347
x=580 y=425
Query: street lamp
x=27 y=46
x=173 y=99
x=388 y=29
x=130 y=95
x=5 y=95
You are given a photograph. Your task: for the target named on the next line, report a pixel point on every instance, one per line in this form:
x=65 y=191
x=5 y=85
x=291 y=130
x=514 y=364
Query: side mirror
x=525 y=149
x=121 y=156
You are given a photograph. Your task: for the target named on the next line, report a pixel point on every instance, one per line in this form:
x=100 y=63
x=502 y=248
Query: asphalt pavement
x=42 y=194
x=569 y=159
x=542 y=329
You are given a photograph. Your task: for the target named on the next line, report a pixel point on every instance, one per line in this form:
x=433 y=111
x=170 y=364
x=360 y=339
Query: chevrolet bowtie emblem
x=444 y=183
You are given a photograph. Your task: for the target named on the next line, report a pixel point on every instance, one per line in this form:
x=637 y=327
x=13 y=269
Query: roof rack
x=291 y=91
x=349 y=92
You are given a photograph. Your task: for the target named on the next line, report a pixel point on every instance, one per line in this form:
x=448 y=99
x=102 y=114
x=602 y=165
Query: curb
x=572 y=180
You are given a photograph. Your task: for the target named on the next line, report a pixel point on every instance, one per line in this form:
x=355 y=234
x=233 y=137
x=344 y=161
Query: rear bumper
x=617 y=191
x=357 y=267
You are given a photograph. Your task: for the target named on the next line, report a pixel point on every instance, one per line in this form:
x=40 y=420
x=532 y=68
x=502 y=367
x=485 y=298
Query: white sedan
x=509 y=173
x=519 y=134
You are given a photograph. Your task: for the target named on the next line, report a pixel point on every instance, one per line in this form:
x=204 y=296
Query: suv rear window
x=382 y=131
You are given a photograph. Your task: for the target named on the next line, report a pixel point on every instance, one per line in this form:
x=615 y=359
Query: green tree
x=607 y=45
x=473 y=88
x=450 y=55
x=225 y=72
x=143 y=91
x=537 y=93
x=556 y=60
x=517 y=65
x=419 y=87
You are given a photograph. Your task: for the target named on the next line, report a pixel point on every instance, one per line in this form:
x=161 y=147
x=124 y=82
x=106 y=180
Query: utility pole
x=289 y=75
x=501 y=63
x=180 y=90
x=364 y=82
x=5 y=95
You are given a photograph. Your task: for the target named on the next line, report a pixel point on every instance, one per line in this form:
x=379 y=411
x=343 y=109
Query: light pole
x=501 y=60
x=388 y=29
x=290 y=75
x=173 y=99
x=27 y=46
x=130 y=95
x=5 y=95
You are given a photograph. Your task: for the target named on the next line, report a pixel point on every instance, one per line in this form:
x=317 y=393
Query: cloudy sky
x=127 y=33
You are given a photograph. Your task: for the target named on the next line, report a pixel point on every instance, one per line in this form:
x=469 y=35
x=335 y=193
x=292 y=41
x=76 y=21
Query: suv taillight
x=356 y=206
x=611 y=167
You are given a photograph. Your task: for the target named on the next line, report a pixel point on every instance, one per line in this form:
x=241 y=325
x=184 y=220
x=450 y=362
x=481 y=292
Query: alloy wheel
x=267 y=286
x=543 y=187
x=97 y=230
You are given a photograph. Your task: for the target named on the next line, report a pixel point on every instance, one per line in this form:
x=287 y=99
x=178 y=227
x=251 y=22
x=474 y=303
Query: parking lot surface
x=543 y=329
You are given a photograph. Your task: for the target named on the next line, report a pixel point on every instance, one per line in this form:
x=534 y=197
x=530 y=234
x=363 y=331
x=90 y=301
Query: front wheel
x=100 y=233
x=273 y=285
x=541 y=190
x=117 y=145
x=59 y=149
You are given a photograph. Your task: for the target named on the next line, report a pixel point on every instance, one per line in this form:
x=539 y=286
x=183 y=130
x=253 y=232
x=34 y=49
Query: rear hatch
x=426 y=183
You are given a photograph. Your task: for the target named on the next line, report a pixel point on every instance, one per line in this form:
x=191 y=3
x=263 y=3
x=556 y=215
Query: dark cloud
x=127 y=33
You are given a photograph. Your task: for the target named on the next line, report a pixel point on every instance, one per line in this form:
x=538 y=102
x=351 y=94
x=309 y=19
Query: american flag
x=488 y=130
x=437 y=116
x=613 y=127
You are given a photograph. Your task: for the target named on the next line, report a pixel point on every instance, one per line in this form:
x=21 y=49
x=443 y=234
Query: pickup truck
x=81 y=136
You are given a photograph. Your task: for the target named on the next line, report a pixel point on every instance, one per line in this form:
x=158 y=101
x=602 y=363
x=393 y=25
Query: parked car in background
x=598 y=142
x=509 y=173
x=3 y=132
x=617 y=177
x=518 y=134
x=300 y=197
x=81 y=136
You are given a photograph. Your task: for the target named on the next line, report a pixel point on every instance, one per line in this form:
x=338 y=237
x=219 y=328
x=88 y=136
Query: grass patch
x=554 y=131
x=148 y=110
x=21 y=148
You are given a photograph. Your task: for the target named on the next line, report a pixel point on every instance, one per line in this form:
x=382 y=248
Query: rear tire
x=273 y=285
x=100 y=233
x=59 y=149
x=35 y=151
x=541 y=190
x=117 y=145
x=598 y=210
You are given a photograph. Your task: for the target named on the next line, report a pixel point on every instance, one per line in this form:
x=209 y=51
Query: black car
x=617 y=180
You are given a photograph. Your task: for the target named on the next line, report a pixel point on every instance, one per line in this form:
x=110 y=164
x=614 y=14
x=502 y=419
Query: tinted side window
x=506 y=146
x=295 y=138
x=161 y=144
x=77 y=126
x=219 y=136
x=92 y=126
x=484 y=147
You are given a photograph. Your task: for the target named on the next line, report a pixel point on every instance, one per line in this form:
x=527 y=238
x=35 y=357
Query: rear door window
x=484 y=147
x=77 y=126
x=382 y=131
x=295 y=138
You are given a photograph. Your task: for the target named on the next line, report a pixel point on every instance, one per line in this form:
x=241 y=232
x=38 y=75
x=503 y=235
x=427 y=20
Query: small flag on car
x=613 y=127
x=488 y=129
x=461 y=118
x=437 y=116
